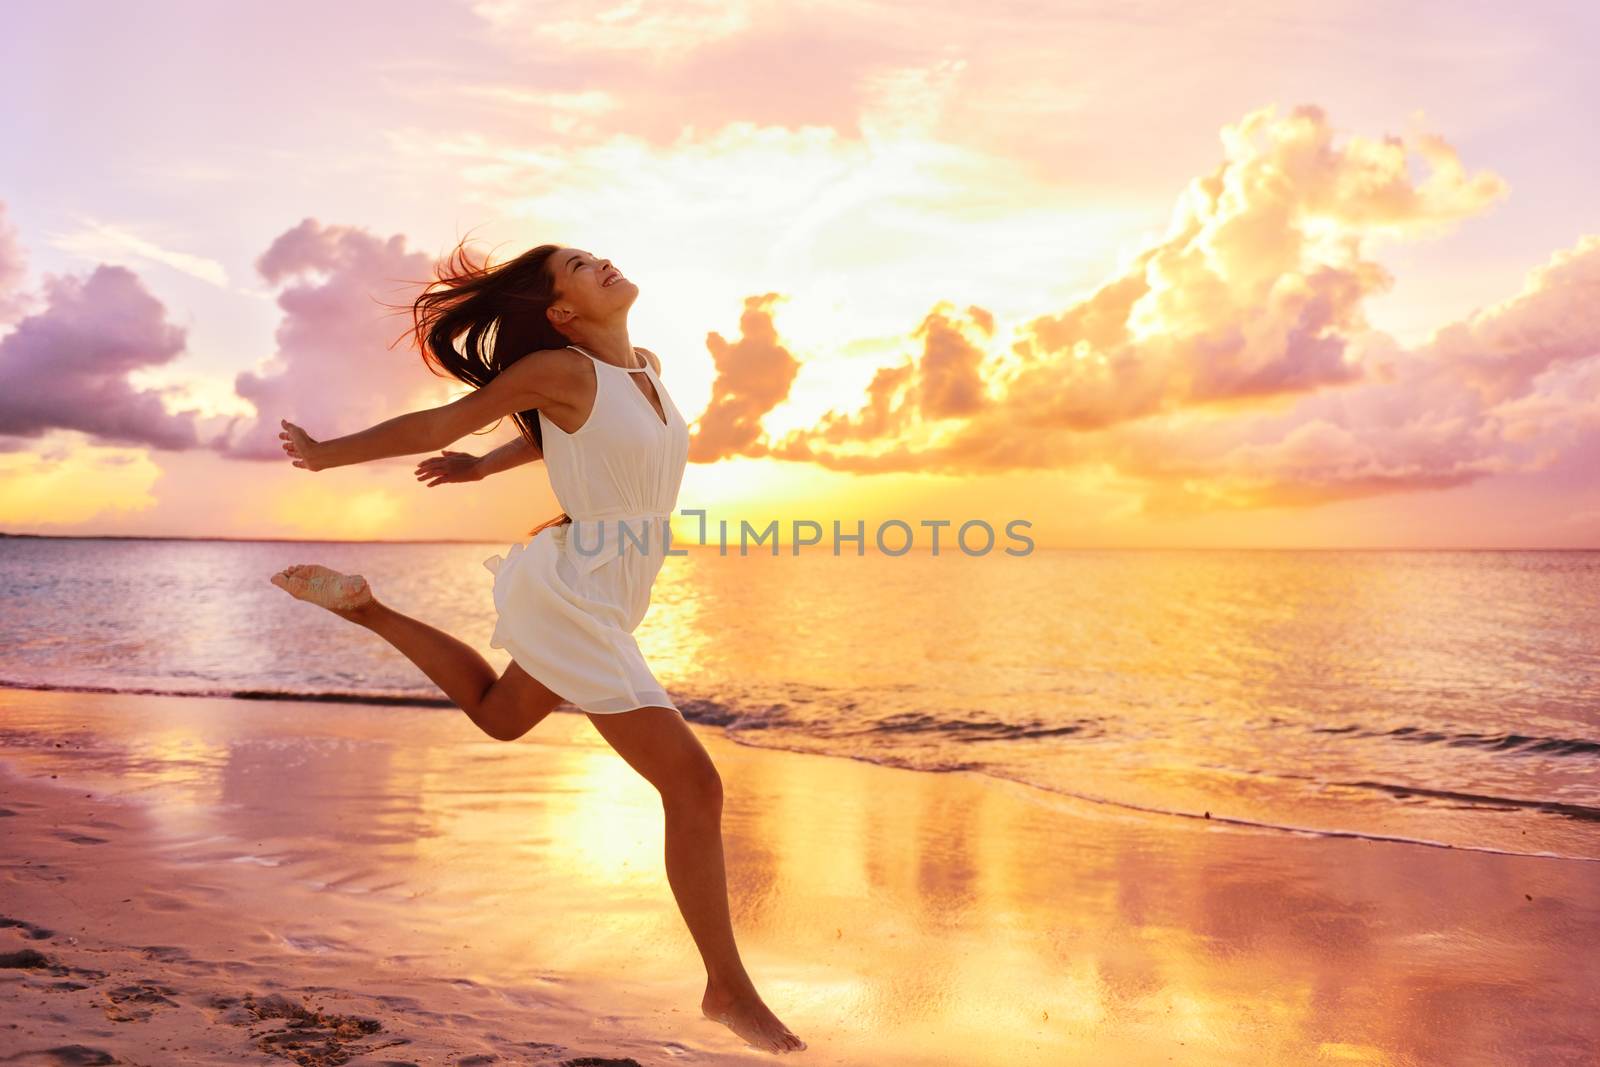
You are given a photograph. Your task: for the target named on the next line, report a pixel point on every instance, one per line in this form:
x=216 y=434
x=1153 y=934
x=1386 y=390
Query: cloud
x=1227 y=364
x=945 y=382
x=1257 y=286
x=67 y=366
x=112 y=244
x=1510 y=389
x=1554 y=320
x=569 y=114
x=753 y=376
x=334 y=371
x=1230 y=364
x=656 y=29
x=950 y=379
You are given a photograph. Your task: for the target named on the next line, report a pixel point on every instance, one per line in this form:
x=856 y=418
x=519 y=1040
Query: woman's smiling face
x=590 y=286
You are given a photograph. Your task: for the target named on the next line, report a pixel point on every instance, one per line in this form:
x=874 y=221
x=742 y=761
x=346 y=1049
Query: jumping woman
x=544 y=339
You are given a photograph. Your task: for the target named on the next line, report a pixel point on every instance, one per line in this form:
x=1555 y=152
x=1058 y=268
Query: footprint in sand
x=33 y=960
x=310 y=1036
x=136 y=1003
x=65 y=1056
x=29 y=930
x=29 y=959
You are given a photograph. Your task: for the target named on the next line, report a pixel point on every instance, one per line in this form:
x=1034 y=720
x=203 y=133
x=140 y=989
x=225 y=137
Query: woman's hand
x=449 y=467
x=300 y=447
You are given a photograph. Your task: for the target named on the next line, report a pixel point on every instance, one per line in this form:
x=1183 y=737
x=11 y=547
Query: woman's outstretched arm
x=465 y=467
x=513 y=453
x=523 y=385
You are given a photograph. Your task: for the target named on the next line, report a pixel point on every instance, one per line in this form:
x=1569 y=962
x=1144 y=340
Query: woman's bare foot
x=343 y=594
x=750 y=1018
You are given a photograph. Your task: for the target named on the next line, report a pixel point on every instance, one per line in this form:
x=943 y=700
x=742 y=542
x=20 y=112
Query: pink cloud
x=1556 y=319
x=67 y=366
x=1510 y=389
x=334 y=371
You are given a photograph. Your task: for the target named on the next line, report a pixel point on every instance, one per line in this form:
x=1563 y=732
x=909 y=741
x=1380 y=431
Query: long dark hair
x=498 y=314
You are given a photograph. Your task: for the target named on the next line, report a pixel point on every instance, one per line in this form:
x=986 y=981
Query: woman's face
x=589 y=287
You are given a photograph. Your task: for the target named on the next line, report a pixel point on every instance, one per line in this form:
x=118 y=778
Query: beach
x=207 y=881
x=1113 y=489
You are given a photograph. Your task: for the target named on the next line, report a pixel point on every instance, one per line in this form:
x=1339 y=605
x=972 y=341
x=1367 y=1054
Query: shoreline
x=443 y=703
x=384 y=865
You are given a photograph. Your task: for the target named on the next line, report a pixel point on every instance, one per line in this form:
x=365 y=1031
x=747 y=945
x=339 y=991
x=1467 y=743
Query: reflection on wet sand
x=888 y=915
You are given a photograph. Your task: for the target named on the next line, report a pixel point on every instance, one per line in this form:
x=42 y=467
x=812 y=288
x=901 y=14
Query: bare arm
x=403 y=435
x=513 y=453
x=523 y=385
x=451 y=466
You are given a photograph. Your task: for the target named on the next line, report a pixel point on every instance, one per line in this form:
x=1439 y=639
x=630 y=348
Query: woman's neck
x=613 y=346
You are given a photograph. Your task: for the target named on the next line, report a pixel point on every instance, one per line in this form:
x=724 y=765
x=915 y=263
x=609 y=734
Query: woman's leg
x=659 y=744
x=503 y=706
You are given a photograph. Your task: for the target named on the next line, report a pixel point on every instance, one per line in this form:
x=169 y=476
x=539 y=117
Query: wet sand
x=227 y=882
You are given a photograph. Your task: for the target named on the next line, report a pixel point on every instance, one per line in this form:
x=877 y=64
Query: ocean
x=1450 y=698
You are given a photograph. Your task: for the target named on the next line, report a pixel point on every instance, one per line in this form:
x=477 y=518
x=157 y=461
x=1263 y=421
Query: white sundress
x=570 y=598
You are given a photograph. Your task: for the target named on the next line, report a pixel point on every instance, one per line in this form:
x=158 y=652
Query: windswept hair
x=475 y=320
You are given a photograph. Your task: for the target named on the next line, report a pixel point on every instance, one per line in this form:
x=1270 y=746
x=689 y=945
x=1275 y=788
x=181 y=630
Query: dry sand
x=195 y=881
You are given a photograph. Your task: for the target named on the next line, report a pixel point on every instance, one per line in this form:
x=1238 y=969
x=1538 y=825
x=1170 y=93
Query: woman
x=544 y=339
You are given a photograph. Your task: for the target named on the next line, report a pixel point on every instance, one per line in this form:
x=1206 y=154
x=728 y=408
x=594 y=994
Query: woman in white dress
x=544 y=338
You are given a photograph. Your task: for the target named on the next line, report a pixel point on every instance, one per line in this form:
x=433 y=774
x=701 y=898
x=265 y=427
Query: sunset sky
x=1143 y=274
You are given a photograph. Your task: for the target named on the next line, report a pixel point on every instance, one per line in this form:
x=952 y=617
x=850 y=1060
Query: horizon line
x=756 y=549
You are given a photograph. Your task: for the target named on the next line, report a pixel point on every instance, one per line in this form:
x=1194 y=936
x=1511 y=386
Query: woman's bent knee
x=513 y=705
x=658 y=743
x=700 y=785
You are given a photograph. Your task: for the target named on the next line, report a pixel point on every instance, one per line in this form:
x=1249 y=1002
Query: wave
x=953 y=729
x=1552 y=807
x=1549 y=746
x=321 y=695
x=890 y=760
x=1312 y=830
x=970 y=729
x=736 y=723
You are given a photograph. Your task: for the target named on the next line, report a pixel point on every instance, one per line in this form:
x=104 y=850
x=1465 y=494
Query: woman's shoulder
x=655 y=364
x=544 y=361
x=545 y=374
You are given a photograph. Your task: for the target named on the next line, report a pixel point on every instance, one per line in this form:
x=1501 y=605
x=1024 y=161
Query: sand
x=197 y=881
